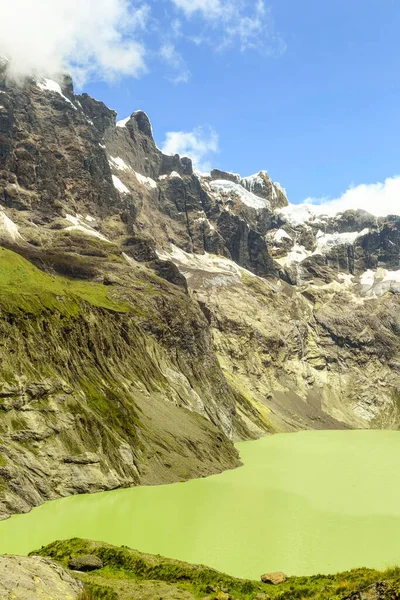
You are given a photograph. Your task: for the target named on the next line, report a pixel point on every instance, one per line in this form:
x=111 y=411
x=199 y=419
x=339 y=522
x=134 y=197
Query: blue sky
x=317 y=105
x=308 y=91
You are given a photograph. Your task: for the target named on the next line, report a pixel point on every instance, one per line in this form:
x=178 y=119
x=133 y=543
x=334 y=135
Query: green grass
x=131 y=574
x=26 y=289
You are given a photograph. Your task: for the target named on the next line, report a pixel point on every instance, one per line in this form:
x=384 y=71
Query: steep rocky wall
x=320 y=357
x=161 y=314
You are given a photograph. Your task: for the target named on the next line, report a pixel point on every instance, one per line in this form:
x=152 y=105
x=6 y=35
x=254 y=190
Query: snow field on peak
x=123 y=122
x=298 y=214
x=53 y=86
x=235 y=189
x=326 y=241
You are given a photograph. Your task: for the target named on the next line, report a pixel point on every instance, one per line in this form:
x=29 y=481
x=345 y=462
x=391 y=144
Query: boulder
x=222 y=596
x=376 y=591
x=274 y=578
x=86 y=562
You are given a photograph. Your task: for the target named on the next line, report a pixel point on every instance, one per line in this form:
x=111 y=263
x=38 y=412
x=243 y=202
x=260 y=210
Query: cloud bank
x=106 y=39
x=83 y=37
x=197 y=145
x=379 y=199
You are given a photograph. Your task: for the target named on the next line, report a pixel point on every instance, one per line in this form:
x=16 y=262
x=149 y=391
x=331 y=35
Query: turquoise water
x=304 y=503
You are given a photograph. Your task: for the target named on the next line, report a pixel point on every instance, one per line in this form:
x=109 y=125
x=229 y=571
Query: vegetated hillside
x=130 y=574
x=151 y=316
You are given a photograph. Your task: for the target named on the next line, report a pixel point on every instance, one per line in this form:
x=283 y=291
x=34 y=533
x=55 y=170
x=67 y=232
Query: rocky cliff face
x=150 y=315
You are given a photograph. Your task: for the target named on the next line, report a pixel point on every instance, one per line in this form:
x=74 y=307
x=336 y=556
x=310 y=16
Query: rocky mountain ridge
x=152 y=315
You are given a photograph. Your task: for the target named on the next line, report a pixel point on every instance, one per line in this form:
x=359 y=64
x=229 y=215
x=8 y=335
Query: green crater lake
x=304 y=503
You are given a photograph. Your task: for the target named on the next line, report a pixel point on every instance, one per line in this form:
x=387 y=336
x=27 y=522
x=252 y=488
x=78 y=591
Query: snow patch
x=298 y=214
x=162 y=177
x=123 y=122
x=8 y=227
x=129 y=259
x=209 y=269
x=392 y=276
x=377 y=283
x=77 y=225
x=205 y=220
x=229 y=188
x=280 y=188
x=327 y=241
x=118 y=163
x=53 y=86
x=296 y=255
x=280 y=235
x=146 y=180
x=175 y=175
x=119 y=185
x=368 y=278
x=251 y=181
x=87 y=231
x=346 y=278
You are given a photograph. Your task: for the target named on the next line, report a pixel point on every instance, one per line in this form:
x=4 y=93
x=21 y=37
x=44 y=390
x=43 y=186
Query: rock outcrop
x=36 y=578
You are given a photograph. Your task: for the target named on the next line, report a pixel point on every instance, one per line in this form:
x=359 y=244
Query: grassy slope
x=24 y=288
x=128 y=574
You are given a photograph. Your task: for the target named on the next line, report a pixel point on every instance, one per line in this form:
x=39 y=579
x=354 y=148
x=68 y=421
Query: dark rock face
x=142 y=249
x=217 y=174
x=102 y=117
x=51 y=158
x=170 y=272
x=381 y=247
x=246 y=246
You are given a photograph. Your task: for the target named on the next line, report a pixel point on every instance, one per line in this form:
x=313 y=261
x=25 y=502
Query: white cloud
x=105 y=39
x=175 y=60
x=197 y=145
x=379 y=199
x=245 y=23
x=88 y=39
x=209 y=8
